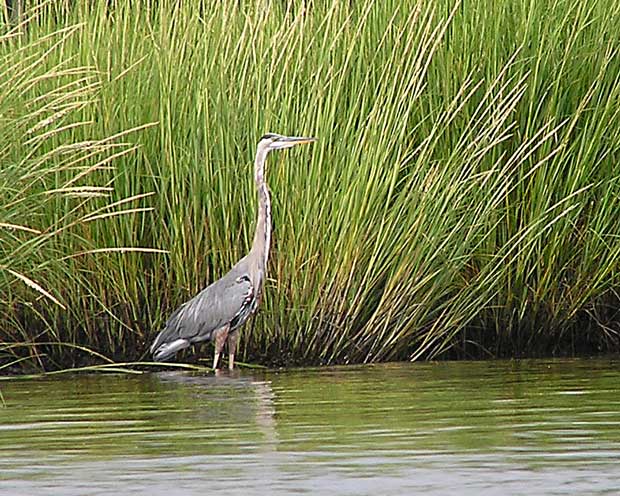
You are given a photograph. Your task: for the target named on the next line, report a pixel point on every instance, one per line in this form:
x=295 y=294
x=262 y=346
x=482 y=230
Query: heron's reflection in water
x=231 y=401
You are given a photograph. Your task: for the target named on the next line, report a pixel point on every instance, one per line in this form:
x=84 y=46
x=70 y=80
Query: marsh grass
x=462 y=198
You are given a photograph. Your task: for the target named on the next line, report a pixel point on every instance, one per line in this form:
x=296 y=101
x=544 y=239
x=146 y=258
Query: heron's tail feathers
x=163 y=351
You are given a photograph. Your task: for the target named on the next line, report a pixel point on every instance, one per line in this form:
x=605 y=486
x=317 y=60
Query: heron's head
x=272 y=141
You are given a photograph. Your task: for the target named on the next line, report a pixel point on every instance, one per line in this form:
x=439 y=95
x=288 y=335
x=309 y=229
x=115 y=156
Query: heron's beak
x=289 y=141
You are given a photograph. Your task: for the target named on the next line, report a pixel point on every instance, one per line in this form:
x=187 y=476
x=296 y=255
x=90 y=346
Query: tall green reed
x=56 y=179
x=462 y=194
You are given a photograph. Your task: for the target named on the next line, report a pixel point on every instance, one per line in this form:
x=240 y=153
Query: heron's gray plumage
x=228 y=301
x=225 y=305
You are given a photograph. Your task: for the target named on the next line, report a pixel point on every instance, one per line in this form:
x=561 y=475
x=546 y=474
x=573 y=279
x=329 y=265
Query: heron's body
x=223 y=306
x=219 y=310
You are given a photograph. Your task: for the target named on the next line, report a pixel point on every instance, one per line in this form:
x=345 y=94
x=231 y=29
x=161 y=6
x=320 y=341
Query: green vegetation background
x=463 y=199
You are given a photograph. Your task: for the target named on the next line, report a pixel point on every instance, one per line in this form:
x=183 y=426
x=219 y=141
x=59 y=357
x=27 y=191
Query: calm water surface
x=466 y=428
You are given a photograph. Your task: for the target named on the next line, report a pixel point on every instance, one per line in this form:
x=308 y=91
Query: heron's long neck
x=262 y=236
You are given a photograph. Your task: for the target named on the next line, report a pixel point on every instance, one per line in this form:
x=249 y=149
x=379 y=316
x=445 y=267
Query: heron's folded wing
x=214 y=307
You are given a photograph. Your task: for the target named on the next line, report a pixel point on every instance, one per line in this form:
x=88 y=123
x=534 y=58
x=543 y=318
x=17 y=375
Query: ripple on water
x=532 y=427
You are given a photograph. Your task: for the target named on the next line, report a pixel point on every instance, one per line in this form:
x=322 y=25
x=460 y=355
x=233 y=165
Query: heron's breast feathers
x=248 y=302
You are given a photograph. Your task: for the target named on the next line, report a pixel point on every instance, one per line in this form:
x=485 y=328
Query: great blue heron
x=219 y=310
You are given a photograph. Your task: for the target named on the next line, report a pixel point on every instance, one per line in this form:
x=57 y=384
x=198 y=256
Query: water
x=467 y=428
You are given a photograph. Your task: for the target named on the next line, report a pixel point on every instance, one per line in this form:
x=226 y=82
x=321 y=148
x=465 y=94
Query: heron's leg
x=233 y=339
x=220 y=339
